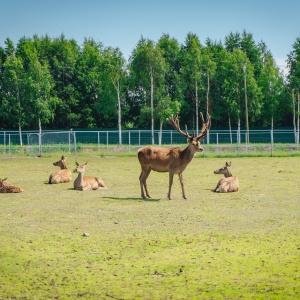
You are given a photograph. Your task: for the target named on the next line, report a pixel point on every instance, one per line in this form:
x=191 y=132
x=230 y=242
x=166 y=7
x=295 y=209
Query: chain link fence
x=216 y=142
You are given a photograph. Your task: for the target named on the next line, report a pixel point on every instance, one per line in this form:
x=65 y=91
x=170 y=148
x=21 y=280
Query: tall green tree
x=88 y=79
x=41 y=103
x=148 y=64
x=294 y=82
x=191 y=71
x=165 y=109
x=170 y=50
x=237 y=69
x=271 y=84
x=12 y=106
x=114 y=65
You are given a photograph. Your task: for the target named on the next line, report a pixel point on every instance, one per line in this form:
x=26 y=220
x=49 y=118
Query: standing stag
x=61 y=176
x=173 y=160
x=229 y=183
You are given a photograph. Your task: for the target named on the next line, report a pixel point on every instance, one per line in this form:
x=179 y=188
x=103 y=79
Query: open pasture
x=211 y=246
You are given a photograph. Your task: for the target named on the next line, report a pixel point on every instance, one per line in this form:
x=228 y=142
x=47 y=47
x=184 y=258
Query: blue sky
x=121 y=23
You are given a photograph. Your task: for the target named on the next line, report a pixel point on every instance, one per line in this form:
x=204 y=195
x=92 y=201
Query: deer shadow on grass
x=132 y=199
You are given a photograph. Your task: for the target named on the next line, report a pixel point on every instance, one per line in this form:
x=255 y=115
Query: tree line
x=57 y=83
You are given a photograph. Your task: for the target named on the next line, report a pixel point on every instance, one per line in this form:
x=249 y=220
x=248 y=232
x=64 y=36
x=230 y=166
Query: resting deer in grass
x=6 y=187
x=173 y=160
x=62 y=175
x=83 y=183
x=229 y=183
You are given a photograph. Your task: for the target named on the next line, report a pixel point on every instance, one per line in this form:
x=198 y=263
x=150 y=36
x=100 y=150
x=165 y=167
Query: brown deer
x=173 y=160
x=62 y=175
x=6 y=187
x=229 y=183
x=83 y=183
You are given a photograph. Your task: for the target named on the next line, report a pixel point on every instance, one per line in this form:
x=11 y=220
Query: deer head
x=193 y=140
x=225 y=170
x=80 y=168
x=2 y=181
x=61 y=163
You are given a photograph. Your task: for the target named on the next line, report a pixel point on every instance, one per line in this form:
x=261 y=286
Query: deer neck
x=188 y=153
x=80 y=178
x=63 y=166
x=228 y=174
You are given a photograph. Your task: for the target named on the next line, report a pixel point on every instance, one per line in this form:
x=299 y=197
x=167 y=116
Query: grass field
x=243 y=245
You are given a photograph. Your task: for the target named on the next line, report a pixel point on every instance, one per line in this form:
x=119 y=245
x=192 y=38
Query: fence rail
x=75 y=140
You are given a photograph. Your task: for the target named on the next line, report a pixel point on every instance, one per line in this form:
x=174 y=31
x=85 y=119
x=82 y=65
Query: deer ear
x=85 y=163
x=77 y=164
x=226 y=164
x=4 y=179
x=62 y=157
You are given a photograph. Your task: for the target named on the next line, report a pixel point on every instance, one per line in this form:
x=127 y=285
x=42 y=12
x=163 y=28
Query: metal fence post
x=75 y=142
x=4 y=141
x=129 y=140
x=272 y=139
x=217 y=138
x=98 y=140
x=171 y=136
x=106 y=139
x=139 y=137
x=9 y=144
x=69 y=141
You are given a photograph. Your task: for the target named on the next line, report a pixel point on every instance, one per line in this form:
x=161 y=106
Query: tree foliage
x=67 y=85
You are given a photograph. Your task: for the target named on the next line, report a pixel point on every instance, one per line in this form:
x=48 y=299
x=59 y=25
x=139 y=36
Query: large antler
x=174 y=121
x=205 y=127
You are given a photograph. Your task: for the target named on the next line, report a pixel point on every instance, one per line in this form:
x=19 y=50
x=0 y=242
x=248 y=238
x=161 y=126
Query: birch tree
x=191 y=71
x=114 y=65
x=148 y=64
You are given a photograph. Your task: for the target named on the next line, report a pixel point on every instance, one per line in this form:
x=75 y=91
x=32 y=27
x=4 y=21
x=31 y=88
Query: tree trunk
x=160 y=131
x=246 y=106
x=298 y=112
x=152 y=107
x=119 y=112
x=20 y=134
x=230 y=131
x=294 y=116
x=197 y=107
x=207 y=102
x=40 y=137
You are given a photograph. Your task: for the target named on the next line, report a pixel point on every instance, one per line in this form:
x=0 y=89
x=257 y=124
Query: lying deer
x=173 y=160
x=62 y=175
x=229 y=183
x=6 y=187
x=83 y=183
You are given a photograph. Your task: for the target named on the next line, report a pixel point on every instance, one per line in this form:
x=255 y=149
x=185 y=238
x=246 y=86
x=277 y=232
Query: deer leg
x=182 y=186
x=171 y=175
x=142 y=185
x=144 y=181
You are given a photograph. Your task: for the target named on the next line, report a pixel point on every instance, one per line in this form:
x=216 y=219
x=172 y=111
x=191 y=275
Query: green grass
x=243 y=245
